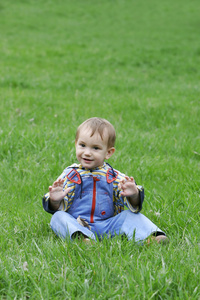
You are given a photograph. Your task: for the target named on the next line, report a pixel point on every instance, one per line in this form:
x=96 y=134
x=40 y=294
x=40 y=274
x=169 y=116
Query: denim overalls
x=93 y=202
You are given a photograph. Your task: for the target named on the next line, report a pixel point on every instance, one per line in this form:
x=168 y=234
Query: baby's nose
x=87 y=151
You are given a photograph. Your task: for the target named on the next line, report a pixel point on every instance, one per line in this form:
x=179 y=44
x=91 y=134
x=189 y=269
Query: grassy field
x=135 y=63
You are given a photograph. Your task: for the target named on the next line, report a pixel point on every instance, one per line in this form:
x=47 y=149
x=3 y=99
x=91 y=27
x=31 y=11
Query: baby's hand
x=56 y=192
x=128 y=187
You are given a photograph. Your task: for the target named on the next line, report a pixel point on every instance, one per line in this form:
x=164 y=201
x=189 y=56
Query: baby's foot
x=81 y=237
x=160 y=239
x=86 y=240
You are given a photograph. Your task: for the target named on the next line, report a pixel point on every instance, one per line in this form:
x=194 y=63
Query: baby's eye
x=82 y=145
x=96 y=148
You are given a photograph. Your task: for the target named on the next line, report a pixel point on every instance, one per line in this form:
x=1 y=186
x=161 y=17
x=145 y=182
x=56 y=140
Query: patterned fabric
x=72 y=178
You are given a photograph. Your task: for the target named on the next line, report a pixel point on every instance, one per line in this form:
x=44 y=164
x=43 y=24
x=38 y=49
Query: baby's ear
x=110 y=152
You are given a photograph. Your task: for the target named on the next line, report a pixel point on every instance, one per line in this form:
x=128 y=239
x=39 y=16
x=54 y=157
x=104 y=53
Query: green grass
x=135 y=63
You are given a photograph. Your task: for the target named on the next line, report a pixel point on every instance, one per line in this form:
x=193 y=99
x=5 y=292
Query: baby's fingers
x=129 y=178
x=58 y=182
x=55 y=184
x=61 y=180
x=67 y=191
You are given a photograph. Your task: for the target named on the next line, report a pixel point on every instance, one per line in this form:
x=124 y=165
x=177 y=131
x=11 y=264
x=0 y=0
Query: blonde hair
x=99 y=125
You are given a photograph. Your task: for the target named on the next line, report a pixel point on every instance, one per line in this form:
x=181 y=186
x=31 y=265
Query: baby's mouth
x=87 y=159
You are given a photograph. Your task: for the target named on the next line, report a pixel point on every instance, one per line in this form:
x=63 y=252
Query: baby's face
x=91 y=151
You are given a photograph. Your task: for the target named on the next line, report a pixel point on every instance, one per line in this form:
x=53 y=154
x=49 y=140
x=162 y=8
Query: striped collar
x=104 y=167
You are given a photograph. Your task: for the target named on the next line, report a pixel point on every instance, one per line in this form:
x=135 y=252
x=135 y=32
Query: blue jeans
x=133 y=225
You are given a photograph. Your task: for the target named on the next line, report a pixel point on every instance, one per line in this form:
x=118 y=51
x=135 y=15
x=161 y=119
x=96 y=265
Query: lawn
x=135 y=63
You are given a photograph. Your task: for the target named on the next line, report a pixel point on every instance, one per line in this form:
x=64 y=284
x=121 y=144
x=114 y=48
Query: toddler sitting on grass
x=88 y=199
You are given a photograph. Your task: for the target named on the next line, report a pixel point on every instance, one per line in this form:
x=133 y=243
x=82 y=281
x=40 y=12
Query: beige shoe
x=86 y=241
x=81 y=237
x=160 y=239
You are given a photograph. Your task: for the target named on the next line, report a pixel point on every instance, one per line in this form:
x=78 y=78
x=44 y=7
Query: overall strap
x=74 y=176
x=111 y=174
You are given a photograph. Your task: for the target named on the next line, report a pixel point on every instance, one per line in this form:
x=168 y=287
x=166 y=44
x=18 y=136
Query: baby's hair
x=99 y=125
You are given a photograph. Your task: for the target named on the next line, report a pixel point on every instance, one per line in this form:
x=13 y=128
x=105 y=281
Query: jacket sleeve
x=46 y=204
x=67 y=201
x=45 y=200
x=121 y=201
x=141 y=196
x=141 y=199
